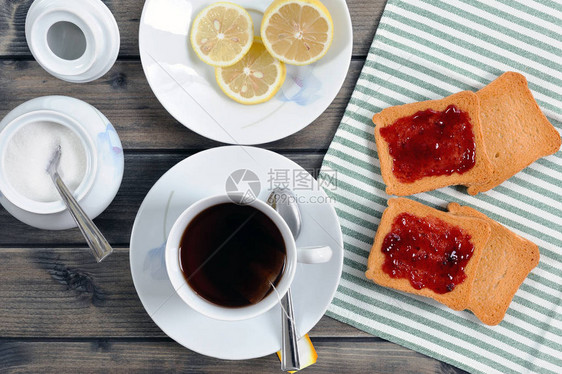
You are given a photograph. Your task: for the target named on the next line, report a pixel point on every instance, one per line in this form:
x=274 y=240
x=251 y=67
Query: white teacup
x=309 y=255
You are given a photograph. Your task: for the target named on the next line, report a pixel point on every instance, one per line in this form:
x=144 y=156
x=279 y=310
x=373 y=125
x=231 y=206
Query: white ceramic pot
x=104 y=157
x=17 y=124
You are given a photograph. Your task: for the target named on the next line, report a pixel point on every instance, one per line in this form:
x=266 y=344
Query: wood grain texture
x=365 y=16
x=64 y=293
x=125 y=97
x=142 y=170
x=115 y=356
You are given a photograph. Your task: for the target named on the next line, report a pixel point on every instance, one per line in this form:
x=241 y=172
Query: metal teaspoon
x=284 y=202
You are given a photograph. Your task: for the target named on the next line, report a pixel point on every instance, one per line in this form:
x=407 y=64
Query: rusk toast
x=480 y=171
x=477 y=230
x=506 y=261
x=516 y=132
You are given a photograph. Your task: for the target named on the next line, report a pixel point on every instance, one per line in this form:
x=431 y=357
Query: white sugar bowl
x=51 y=120
x=103 y=161
x=74 y=40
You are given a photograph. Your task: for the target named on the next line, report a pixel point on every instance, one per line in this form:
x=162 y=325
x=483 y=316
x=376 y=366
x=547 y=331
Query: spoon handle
x=289 y=348
x=97 y=242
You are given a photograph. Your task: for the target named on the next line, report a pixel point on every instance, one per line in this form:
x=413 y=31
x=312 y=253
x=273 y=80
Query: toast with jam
x=478 y=140
x=427 y=252
x=431 y=144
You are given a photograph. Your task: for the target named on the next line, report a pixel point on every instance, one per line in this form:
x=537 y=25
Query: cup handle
x=314 y=255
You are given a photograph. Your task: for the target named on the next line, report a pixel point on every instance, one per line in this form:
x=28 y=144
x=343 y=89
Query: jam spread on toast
x=431 y=253
x=431 y=143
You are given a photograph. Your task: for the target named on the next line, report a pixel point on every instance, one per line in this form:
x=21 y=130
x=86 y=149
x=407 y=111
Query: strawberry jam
x=430 y=143
x=429 y=252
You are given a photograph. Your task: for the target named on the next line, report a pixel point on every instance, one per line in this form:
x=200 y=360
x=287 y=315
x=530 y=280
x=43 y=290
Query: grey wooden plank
x=142 y=170
x=125 y=97
x=114 y=356
x=364 y=15
x=63 y=293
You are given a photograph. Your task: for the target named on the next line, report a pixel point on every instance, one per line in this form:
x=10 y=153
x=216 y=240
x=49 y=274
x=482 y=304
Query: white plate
x=110 y=160
x=206 y=174
x=186 y=86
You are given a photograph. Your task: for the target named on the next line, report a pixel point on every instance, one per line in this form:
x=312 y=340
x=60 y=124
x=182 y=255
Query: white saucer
x=110 y=160
x=186 y=86
x=206 y=174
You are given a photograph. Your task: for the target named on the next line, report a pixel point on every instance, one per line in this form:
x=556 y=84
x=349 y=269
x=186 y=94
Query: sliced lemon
x=297 y=32
x=254 y=79
x=222 y=34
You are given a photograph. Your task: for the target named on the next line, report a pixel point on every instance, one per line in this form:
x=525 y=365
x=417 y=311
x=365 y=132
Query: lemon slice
x=297 y=32
x=254 y=79
x=222 y=34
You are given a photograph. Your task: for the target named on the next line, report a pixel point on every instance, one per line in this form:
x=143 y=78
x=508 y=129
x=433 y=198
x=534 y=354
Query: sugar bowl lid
x=76 y=41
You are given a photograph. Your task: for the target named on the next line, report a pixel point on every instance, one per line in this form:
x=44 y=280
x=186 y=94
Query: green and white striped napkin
x=428 y=49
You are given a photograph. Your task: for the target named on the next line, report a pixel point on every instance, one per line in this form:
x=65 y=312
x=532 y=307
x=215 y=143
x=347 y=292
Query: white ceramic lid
x=76 y=41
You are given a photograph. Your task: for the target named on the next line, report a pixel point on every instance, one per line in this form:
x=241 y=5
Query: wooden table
x=62 y=312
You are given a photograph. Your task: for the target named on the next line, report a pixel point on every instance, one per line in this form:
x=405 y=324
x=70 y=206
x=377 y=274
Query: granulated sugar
x=29 y=152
